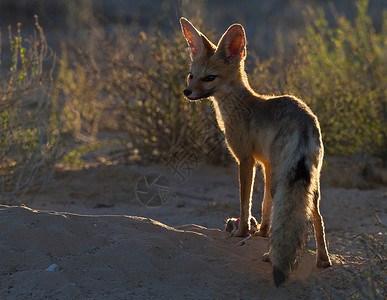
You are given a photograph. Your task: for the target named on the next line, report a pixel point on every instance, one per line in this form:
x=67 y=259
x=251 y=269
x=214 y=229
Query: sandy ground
x=87 y=236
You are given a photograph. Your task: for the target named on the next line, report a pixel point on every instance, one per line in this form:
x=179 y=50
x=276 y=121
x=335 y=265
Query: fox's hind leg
x=322 y=257
x=267 y=204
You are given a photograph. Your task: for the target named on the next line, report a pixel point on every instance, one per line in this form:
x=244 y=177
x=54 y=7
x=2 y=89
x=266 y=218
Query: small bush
x=80 y=87
x=159 y=120
x=341 y=73
x=29 y=133
x=143 y=78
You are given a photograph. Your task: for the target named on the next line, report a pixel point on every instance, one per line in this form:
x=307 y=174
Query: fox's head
x=214 y=69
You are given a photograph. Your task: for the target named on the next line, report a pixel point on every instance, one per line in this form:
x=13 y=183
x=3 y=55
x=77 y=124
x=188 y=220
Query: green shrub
x=29 y=133
x=80 y=88
x=160 y=122
x=341 y=73
x=143 y=77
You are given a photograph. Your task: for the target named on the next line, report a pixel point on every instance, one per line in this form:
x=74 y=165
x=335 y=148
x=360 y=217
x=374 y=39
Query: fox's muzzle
x=195 y=96
x=187 y=92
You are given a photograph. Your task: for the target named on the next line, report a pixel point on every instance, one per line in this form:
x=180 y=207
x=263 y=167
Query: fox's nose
x=187 y=92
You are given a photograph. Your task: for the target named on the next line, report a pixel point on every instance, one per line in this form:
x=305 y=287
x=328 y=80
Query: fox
x=279 y=133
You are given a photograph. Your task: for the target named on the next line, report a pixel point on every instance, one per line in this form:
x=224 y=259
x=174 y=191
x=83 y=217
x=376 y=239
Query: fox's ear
x=232 y=45
x=198 y=43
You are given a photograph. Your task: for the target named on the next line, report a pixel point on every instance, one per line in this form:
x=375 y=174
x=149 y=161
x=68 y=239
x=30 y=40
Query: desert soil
x=87 y=235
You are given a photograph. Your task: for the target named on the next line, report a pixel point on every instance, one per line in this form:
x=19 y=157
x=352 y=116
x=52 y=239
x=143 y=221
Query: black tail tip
x=279 y=276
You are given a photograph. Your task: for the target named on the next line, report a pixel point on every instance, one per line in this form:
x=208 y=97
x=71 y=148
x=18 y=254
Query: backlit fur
x=280 y=133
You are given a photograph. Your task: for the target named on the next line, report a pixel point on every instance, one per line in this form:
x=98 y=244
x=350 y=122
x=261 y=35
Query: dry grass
x=29 y=138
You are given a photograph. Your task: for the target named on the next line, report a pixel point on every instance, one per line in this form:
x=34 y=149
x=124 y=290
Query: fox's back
x=287 y=111
x=281 y=122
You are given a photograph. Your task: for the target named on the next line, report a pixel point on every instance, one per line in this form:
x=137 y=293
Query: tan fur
x=280 y=133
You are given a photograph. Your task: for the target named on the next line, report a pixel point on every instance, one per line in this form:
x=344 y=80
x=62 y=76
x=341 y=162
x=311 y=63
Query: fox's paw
x=266 y=257
x=254 y=226
x=240 y=232
x=234 y=226
x=263 y=231
x=320 y=263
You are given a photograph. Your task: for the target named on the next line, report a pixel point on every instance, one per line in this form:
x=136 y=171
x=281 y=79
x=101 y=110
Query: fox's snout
x=197 y=95
x=187 y=92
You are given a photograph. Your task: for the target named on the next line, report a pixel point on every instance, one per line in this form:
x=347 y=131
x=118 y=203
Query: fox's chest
x=237 y=134
x=230 y=118
x=235 y=125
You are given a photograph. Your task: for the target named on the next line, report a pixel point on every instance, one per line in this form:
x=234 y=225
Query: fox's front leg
x=246 y=181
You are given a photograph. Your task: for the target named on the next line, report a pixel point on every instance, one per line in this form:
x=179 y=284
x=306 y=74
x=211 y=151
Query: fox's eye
x=190 y=76
x=209 y=78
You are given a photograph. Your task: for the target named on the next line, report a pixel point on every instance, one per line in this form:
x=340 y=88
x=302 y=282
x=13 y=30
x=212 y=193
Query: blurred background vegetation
x=89 y=75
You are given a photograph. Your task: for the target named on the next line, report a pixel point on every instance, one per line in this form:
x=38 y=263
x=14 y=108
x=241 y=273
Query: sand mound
x=61 y=255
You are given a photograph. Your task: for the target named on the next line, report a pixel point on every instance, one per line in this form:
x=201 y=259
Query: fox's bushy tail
x=292 y=213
